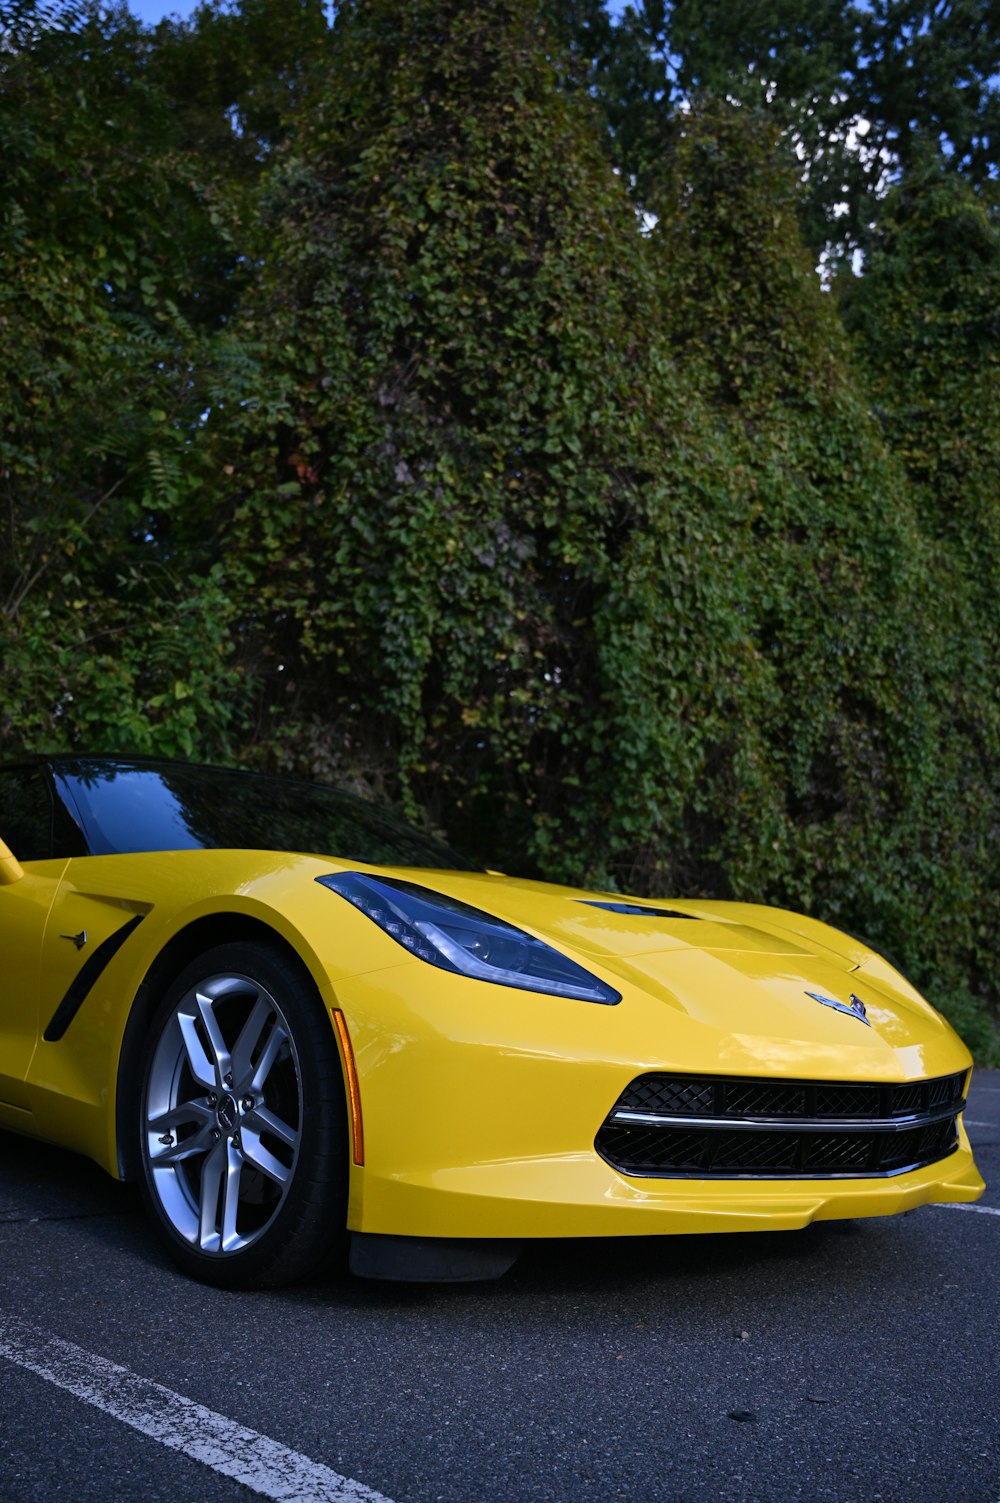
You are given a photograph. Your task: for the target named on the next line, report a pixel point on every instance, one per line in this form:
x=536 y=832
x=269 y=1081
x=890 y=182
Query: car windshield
x=137 y=806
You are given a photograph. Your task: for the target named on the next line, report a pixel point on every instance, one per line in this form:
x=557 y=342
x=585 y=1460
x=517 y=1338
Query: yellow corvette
x=381 y=1046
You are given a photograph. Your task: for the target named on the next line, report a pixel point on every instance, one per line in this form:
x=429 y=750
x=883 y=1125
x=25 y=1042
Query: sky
x=152 y=11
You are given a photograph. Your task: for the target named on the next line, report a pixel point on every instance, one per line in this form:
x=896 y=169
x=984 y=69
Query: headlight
x=458 y=938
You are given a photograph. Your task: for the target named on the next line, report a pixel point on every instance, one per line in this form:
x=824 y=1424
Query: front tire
x=242 y=1130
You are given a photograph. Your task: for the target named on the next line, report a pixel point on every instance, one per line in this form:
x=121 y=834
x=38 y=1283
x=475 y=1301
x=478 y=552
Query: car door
x=26 y=898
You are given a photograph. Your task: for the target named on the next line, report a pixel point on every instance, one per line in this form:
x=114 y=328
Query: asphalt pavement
x=853 y=1362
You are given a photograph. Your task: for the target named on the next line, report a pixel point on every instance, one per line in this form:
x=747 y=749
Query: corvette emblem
x=854 y=1009
x=228 y=1114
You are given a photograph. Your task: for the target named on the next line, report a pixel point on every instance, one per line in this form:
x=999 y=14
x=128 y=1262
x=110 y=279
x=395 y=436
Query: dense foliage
x=354 y=423
x=113 y=272
x=859 y=90
x=864 y=589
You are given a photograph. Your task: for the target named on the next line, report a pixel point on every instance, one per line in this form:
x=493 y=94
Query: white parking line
x=961 y=1206
x=259 y=1463
x=971 y=1122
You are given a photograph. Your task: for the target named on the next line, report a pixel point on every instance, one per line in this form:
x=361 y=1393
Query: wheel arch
x=200 y=935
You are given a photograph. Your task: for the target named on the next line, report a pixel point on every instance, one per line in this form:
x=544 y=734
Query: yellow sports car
x=380 y=1046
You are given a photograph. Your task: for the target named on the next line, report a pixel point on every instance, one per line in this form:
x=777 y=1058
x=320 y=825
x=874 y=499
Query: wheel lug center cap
x=228 y=1113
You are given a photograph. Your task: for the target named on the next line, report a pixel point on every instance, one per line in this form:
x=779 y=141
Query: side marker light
x=353 y=1089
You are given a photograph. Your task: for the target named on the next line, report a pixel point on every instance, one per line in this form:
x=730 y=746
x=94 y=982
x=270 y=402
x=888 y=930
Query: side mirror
x=11 y=869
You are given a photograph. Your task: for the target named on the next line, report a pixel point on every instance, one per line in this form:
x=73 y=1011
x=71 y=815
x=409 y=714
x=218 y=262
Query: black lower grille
x=723 y=1127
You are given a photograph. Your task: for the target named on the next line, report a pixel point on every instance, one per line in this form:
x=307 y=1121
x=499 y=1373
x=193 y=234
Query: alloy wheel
x=222 y=1114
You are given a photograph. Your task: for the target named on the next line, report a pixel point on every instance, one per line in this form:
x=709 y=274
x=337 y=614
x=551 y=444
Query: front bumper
x=481 y=1111
x=578 y=1195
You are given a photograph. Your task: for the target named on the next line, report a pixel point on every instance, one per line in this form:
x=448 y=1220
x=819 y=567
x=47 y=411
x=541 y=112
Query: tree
x=859 y=90
x=861 y=804
x=796 y=63
x=925 y=319
x=626 y=67
x=474 y=461
x=240 y=77
x=113 y=269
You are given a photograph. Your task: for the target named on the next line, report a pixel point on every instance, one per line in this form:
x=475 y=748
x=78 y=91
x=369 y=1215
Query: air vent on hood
x=636 y=910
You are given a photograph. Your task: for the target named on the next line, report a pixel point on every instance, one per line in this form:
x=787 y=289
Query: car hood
x=755 y=981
